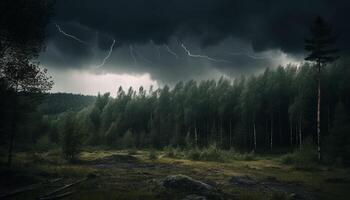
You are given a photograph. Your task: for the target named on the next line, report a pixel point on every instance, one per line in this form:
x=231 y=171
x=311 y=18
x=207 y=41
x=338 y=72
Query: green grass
x=212 y=153
x=206 y=164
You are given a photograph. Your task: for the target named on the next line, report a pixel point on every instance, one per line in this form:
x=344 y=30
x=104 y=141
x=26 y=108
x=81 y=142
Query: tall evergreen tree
x=321 y=49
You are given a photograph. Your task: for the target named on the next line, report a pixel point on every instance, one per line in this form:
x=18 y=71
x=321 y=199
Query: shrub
x=213 y=153
x=232 y=155
x=43 y=144
x=248 y=156
x=128 y=140
x=172 y=152
x=193 y=154
x=152 y=154
x=304 y=158
x=132 y=151
x=287 y=159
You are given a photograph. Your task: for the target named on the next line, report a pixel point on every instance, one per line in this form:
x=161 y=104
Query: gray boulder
x=242 y=181
x=194 y=189
x=194 y=197
x=182 y=182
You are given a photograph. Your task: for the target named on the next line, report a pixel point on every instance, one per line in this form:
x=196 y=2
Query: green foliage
x=242 y=156
x=194 y=115
x=128 y=141
x=171 y=152
x=338 y=142
x=54 y=104
x=71 y=140
x=214 y=153
x=152 y=155
x=306 y=158
x=193 y=154
x=43 y=144
x=132 y=151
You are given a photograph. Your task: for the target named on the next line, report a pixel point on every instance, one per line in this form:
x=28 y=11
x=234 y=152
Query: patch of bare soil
x=295 y=190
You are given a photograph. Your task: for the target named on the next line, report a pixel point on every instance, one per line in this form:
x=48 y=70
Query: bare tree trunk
x=195 y=132
x=319 y=112
x=280 y=138
x=296 y=134
x=291 y=133
x=214 y=134
x=207 y=132
x=12 y=133
x=266 y=131
x=329 y=118
x=271 y=134
x=221 y=132
x=12 y=136
x=254 y=128
x=300 y=133
x=230 y=133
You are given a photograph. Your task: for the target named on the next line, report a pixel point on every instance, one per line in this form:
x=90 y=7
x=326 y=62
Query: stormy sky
x=97 y=45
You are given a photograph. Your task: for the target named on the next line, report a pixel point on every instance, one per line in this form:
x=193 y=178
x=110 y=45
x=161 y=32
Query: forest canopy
x=270 y=112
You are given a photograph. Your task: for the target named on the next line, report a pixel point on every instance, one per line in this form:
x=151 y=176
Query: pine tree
x=322 y=52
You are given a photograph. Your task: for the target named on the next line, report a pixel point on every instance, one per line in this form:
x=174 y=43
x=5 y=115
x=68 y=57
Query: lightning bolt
x=203 y=56
x=108 y=55
x=70 y=36
x=132 y=54
x=171 y=51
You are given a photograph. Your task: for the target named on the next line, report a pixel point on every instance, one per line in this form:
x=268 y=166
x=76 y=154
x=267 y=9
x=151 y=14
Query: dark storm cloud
x=213 y=28
x=266 y=23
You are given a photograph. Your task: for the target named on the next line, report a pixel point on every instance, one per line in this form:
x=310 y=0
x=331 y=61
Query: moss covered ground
x=119 y=175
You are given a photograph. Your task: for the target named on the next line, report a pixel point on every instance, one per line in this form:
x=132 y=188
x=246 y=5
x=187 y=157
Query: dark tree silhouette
x=322 y=52
x=22 y=36
x=23 y=24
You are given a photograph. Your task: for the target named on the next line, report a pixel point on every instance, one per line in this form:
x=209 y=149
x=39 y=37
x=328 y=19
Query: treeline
x=275 y=110
x=56 y=103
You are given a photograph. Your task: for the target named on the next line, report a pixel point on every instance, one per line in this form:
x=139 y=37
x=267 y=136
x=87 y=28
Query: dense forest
x=266 y=113
x=56 y=103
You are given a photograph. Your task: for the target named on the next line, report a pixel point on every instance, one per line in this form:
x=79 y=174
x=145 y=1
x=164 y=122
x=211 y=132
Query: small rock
x=242 y=180
x=194 y=197
x=189 y=186
x=183 y=182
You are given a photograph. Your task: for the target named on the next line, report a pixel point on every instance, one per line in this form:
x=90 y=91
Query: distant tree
x=128 y=140
x=321 y=49
x=71 y=139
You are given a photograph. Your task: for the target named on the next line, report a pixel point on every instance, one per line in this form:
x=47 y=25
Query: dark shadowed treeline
x=57 y=103
x=275 y=110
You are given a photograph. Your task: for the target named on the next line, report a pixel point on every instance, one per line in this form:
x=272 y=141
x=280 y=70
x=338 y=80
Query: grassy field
x=133 y=175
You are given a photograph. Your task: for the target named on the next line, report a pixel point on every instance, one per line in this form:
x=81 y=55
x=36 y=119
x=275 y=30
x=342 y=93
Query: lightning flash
x=203 y=56
x=171 y=51
x=70 y=36
x=108 y=55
